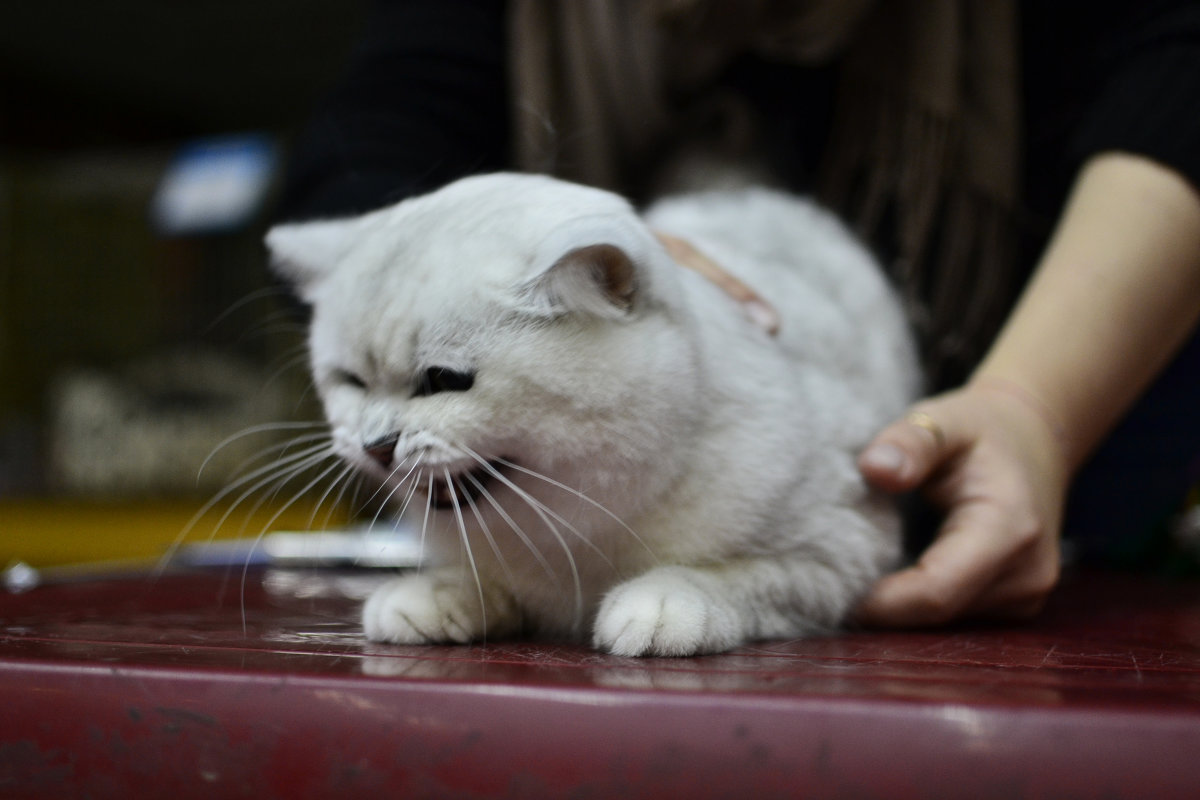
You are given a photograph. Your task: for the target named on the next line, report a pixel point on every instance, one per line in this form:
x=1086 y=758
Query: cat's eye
x=441 y=379
x=349 y=378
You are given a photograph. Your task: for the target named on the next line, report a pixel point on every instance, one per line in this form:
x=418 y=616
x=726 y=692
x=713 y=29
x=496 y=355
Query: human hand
x=995 y=462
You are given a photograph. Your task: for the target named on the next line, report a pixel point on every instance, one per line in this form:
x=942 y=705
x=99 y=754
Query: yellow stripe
x=48 y=532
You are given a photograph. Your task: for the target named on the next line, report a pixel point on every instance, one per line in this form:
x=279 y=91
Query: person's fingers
x=971 y=551
x=904 y=454
x=996 y=554
x=756 y=307
x=1023 y=590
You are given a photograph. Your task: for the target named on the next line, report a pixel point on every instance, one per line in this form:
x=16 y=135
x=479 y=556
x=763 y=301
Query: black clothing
x=425 y=101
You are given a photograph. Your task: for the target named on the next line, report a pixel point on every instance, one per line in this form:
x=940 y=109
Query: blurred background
x=141 y=144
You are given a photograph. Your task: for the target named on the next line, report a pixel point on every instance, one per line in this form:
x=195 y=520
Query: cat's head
x=505 y=323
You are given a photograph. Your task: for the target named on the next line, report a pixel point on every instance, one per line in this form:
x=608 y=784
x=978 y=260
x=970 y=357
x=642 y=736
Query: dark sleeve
x=1105 y=76
x=423 y=102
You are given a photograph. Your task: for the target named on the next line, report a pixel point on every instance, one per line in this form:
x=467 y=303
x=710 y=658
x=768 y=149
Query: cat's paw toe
x=663 y=614
x=416 y=609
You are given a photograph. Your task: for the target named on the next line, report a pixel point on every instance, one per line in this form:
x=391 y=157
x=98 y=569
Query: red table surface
x=205 y=685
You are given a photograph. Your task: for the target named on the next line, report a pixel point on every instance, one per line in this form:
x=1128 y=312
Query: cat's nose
x=383 y=450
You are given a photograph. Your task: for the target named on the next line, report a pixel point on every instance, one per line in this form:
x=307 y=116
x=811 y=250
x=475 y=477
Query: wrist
x=1031 y=402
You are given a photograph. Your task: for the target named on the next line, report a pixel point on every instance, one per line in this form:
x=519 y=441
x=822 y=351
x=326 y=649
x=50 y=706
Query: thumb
x=904 y=454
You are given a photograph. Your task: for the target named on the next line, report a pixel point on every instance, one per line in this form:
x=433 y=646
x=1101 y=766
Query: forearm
x=1116 y=293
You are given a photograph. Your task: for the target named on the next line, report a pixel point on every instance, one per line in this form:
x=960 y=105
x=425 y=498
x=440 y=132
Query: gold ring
x=922 y=420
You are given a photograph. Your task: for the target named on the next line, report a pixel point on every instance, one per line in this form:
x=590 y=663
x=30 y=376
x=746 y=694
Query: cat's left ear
x=304 y=252
x=599 y=279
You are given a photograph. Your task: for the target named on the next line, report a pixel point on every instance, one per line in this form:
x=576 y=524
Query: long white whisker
x=347 y=479
x=425 y=520
x=322 y=450
x=408 y=494
x=312 y=455
x=258 y=294
x=279 y=512
x=524 y=537
x=545 y=513
x=346 y=470
x=487 y=534
x=280 y=322
x=275 y=453
x=267 y=427
x=542 y=510
x=292 y=362
x=383 y=504
x=279 y=473
x=384 y=483
x=280 y=477
x=279 y=480
x=598 y=506
x=267 y=526
x=462 y=528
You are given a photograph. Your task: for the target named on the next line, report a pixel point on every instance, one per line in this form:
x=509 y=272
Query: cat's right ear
x=599 y=279
x=303 y=253
x=589 y=266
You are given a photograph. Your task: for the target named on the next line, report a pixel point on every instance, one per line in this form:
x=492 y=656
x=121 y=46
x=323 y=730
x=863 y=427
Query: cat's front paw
x=428 y=608
x=666 y=612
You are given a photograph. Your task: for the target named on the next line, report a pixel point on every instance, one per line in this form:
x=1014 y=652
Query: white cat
x=594 y=438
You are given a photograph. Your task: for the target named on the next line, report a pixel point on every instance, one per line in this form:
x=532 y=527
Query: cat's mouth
x=448 y=491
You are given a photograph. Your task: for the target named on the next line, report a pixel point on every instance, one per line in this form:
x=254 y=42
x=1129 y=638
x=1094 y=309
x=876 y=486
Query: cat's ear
x=599 y=279
x=304 y=252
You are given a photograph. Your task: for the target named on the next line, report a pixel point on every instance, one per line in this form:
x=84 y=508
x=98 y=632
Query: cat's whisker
x=287 y=363
x=545 y=513
x=409 y=493
x=582 y=496
x=275 y=453
x=391 y=479
x=425 y=519
x=524 y=537
x=282 y=509
x=280 y=475
x=281 y=321
x=267 y=527
x=383 y=504
x=351 y=477
x=382 y=485
x=487 y=534
x=310 y=388
x=306 y=458
x=462 y=529
x=297 y=441
x=281 y=482
x=250 y=297
x=339 y=479
x=533 y=548
x=291 y=354
x=266 y=427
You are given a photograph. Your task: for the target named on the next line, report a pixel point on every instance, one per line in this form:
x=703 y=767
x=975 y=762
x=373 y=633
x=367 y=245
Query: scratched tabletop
x=260 y=685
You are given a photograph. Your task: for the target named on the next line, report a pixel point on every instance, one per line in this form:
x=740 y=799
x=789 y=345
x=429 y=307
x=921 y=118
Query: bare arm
x=1115 y=295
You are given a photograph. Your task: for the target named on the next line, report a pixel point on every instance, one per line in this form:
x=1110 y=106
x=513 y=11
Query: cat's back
x=836 y=306
x=776 y=240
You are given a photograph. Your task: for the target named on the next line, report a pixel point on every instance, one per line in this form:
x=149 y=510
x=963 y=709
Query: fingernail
x=885 y=458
